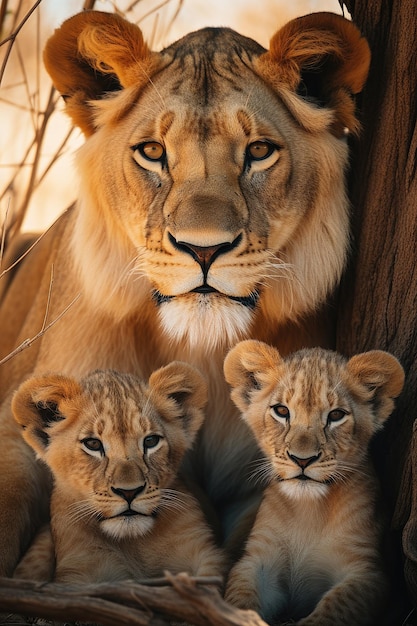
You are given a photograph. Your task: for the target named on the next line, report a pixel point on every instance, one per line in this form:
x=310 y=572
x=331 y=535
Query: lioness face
x=227 y=177
x=213 y=176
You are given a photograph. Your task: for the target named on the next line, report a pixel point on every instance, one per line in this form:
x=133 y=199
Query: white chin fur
x=205 y=321
x=303 y=489
x=127 y=527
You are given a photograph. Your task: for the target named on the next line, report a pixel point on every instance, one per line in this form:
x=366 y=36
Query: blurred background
x=37 y=143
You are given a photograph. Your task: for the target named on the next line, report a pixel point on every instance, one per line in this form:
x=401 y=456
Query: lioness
x=212 y=208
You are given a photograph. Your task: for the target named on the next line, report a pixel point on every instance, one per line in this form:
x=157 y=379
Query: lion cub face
x=114 y=444
x=313 y=413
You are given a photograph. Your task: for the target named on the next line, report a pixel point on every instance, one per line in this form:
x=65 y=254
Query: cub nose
x=128 y=494
x=303 y=463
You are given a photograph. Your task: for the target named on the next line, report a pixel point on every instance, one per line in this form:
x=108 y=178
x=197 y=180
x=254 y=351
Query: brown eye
x=93 y=444
x=152 y=150
x=259 y=150
x=281 y=411
x=336 y=415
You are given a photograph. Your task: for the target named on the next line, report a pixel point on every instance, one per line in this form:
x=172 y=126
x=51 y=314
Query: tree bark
x=378 y=297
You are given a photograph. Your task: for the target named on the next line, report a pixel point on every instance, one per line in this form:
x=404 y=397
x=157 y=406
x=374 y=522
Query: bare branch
x=88 y=4
x=147 y=603
x=50 y=107
x=28 y=342
x=48 y=300
x=21 y=164
x=19 y=259
x=12 y=38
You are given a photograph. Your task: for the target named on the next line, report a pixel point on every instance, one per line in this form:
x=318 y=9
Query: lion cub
x=114 y=445
x=312 y=555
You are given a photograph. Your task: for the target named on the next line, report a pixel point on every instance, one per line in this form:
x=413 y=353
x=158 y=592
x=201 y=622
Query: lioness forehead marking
x=165 y=122
x=208 y=43
x=245 y=122
x=209 y=57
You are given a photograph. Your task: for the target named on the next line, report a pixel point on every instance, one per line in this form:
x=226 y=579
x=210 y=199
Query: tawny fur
x=114 y=446
x=313 y=552
x=262 y=240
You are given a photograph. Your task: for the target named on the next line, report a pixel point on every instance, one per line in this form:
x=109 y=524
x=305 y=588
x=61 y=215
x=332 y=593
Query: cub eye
x=93 y=444
x=280 y=411
x=151 y=441
x=336 y=415
x=260 y=150
x=151 y=150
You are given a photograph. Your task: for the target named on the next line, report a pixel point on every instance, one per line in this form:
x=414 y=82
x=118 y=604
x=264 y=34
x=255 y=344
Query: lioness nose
x=205 y=255
x=303 y=463
x=128 y=494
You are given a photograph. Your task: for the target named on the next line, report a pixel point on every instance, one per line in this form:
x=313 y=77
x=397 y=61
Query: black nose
x=205 y=255
x=128 y=494
x=303 y=463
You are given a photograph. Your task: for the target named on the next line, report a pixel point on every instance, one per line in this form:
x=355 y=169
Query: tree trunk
x=378 y=297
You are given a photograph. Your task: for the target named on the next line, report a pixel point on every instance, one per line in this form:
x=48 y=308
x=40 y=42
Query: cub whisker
x=172 y=499
x=82 y=510
x=263 y=473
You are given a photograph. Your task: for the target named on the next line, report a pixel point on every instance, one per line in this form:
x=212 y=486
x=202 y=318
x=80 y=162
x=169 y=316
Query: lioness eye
x=259 y=150
x=151 y=150
x=93 y=444
x=336 y=415
x=281 y=411
x=151 y=441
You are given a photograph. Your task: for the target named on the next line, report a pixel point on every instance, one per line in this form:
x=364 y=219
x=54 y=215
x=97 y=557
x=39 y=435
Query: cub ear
x=38 y=404
x=382 y=375
x=250 y=366
x=94 y=53
x=180 y=391
x=323 y=58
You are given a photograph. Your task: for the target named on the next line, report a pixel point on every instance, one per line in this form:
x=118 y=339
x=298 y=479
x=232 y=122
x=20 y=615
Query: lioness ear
x=37 y=405
x=249 y=366
x=94 y=53
x=180 y=392
x=382 y=375
x=323 y=58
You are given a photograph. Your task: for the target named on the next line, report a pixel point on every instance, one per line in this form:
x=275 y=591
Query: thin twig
x=3 y=233
x=28 y=342
x=48 y=300
x=12 y=37
x=174 y=17
x=88 y=4
x=3 y=13
x=160 y=6
x=30 y=97
x=16 y=105
x=22 y=256
x=40 y=137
